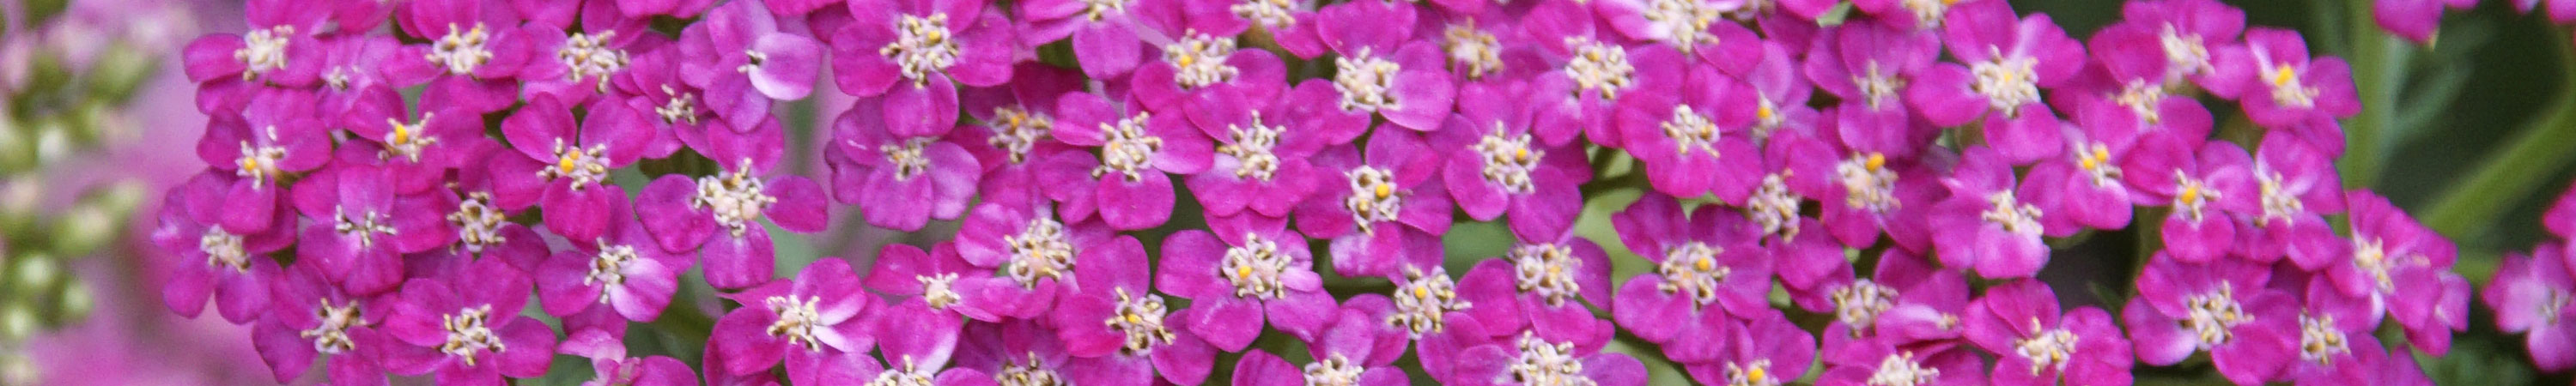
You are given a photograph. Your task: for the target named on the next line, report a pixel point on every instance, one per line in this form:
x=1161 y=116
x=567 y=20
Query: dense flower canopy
x=1136 y=192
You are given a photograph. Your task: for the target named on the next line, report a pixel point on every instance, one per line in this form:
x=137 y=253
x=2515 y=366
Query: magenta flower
x=2006 y=63
x=898 y=182
x=1241 y=276
x=473 y=57
x=465 y=327
x=1877 y=195
x=583 y=62
x=720 y=215
x=2282 y=89
x=1874 y=362
x=1696 y=28
x=1015 y=135
x=1706 y=267
x=2334 y=334
x=1797 y=166
x=1405 y=82
x=917 y=340
x=626 y=270
x=1988 y=225
x=1593 y=76
x=2530 y=295
x=1857 y=303
x=1494 y=166
x=235 y=269
x=1534 y=361
x=1356 y=346
x=1910 y=14
x=2297 y=187
x=1695 y=141
x=812 y=322
x=1201 y=68
x=2206 y=190
x=2405 y=267
x=649 y=96
x=420 y=151
x=2415 y=19
x=610 y=365
x=1023 y=350
x=1425 y=309
x=265 y=145
x=1103 y=32
x=943 y=281
x=570 y=176
x=1768 y=351
x=280 y=49
x=2020 y=324
x=1872 y=66
x=1392 y=212
x=361 y=228
x=1118 y=331
x=744 y=62
x=311 y=319
x=2560 y=219
x=2128 y=93
x=1263 y=160
x=2221 y=307
x=1130 y=188
x=908 y=57
x=482 y=227
x=1031 y=246
x=2084 y=188
x=353 y=68
x=2188 y=35
x=1543 y=287
x=1780 y=95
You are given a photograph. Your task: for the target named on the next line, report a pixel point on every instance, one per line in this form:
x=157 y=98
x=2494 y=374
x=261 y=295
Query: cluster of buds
x=383 y=198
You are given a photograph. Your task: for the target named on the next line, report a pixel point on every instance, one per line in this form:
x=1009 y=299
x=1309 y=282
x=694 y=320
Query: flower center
x=1472 y=49
x=331 y=335
x=1767 y=117
x=1877 y=86
x=1128 y=150
x=260 y=163
x=1757 y=373
x=1546 y=270
x=1691 y=131
x=338 y=78
x=2319 y=340
x=1254 y=268
x=2095 y=159
x=1098 y=9
x=797 y=320
x=1273 y=14
x=2047 y=349
x=678 y=108
x=1509 y=160
x=2370 y=255
x=1200 y=60
x=223 y=249
x=1693 y=269
x=2184 y=52
x=906 y=375
x=462 y=50
x=2213 y=315
x=2195 y=196
x=2142 y=98
x=1367 y=82
x=752 y=60
x=2278 y=202
x=922 y=47
x=2008 y=82
x=406 y=140
x=2288 y=89
x=1599 y=68
x=1858 y=305
x=1373 y=197
x=1547 y=364
x=263 y=50
x=1423 y=301
x=1683 y=22
x=1253 y=146
x=584 y=166
x=907 y=158
x=468 y=333
x=588 y=56
x=1017 y=130
x=608 y=268
x=1031 y=373
x=1867 y=183
x=1040 y=251
x=939 y=290
x=1141 y=317
x=1774 y=207
x=1334 y=370
x=2009 y=212
x=1927 y=13
x=363 y=227
x=735 y=199
x=2549 y=307
x=478 y=223
x=1900 y=369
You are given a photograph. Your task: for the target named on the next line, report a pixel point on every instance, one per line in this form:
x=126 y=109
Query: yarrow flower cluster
x=384 y=201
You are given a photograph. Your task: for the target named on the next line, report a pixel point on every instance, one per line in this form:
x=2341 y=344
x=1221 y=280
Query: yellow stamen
x=1522 y=155
x=1133 y=319
x=1765 y=112
x=1756 y=374
x=402 y=133
x=1876 y=161
x=1420 y=292
x=1243 y=271
x=1705 y=264
x=1384 y=191
x=564 y=165
x=2191 y=193
x=2283 y=76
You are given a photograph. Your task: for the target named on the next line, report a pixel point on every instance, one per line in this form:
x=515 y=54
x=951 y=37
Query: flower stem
x=2521 y=167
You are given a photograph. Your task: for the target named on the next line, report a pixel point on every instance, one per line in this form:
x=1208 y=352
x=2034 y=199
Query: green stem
x=2521 y=167
x=2379 y=70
